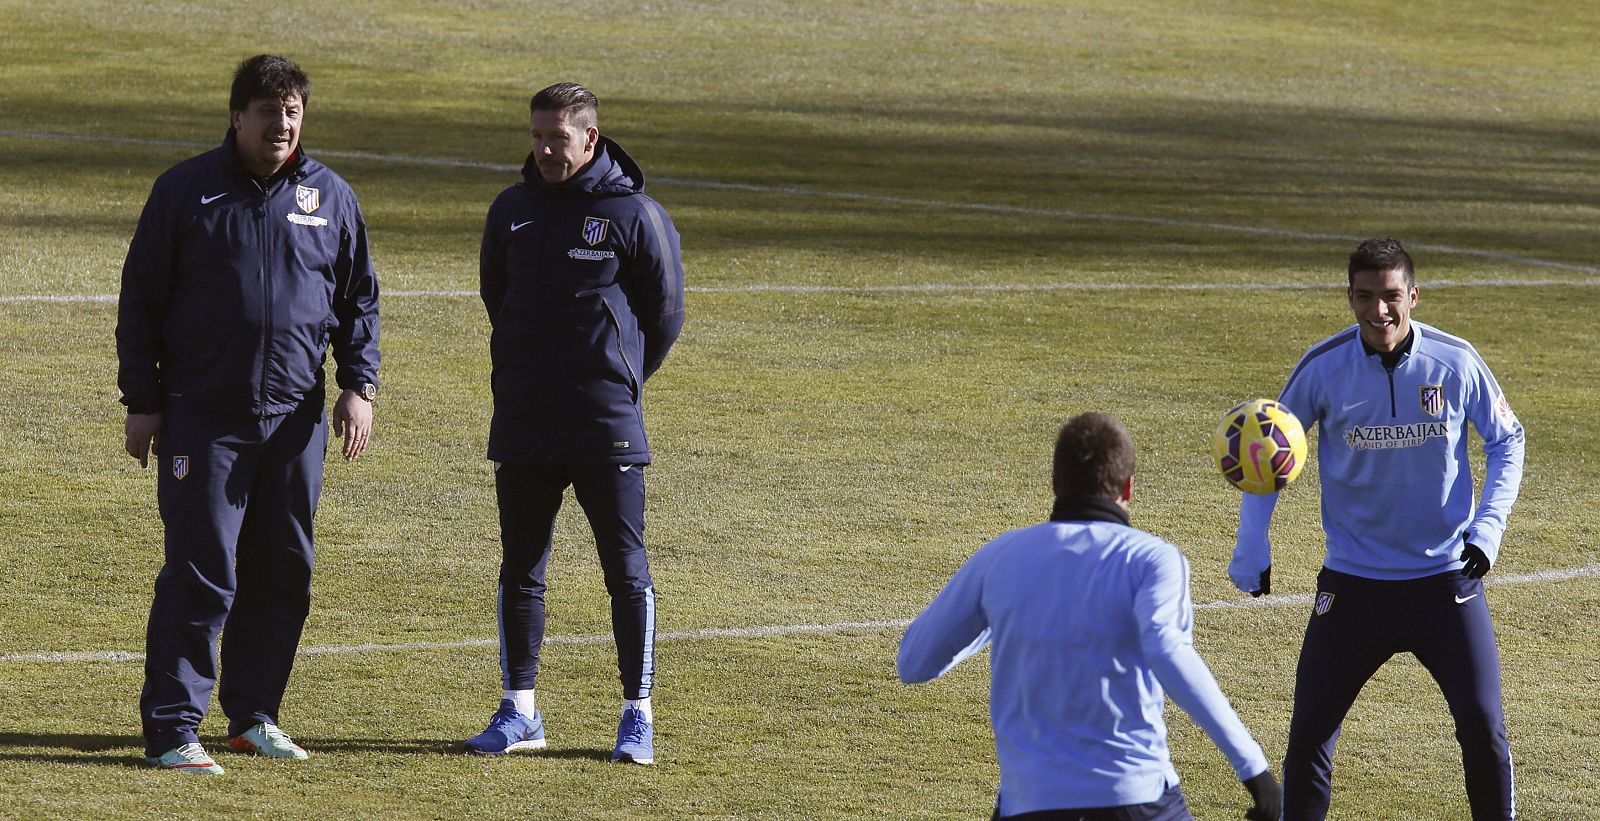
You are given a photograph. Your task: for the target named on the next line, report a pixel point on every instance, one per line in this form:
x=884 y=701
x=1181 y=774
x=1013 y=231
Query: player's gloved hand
x=1266 y=584
x=1266 y=797
x=1477 y=564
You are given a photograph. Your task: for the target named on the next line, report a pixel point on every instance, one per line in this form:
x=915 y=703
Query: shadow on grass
x=128 y=750
x=435 y=746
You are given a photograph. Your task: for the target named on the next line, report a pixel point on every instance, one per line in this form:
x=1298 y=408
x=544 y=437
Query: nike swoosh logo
x=1460 y=600
x=205 y=200
x=517 y=225
x=1354 y=405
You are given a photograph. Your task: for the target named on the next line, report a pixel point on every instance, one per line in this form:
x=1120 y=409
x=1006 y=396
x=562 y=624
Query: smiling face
x=563 y=144
x=267 y=132
x=1382 y=302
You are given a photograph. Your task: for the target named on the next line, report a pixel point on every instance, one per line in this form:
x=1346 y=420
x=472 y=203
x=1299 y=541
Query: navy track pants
x=612 y=498
x=237 y=496
x=1356 y=625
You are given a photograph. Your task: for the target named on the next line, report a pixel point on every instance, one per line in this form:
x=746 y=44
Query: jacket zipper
x=262 y=229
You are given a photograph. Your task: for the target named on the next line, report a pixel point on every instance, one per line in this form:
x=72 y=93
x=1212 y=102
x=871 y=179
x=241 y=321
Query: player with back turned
x=1407 y=545
x=1092 y=625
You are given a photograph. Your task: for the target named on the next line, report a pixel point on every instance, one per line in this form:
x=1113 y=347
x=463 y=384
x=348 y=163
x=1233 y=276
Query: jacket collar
x=1088 y=509
x=1391 y=358
x=611 y=171
x=293 y=169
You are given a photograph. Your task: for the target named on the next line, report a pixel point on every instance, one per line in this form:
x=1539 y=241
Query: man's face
x=561 y=147
x=1382 y=302
x=266 y=133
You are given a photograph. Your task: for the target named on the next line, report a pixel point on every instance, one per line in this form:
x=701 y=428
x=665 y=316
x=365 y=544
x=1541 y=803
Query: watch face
x=369 y=391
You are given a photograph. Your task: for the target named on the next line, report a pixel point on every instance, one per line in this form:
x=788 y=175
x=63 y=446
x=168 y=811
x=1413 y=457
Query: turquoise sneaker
x=187 y=758
x=635 y=740
x=508 y=732
x=265 y=739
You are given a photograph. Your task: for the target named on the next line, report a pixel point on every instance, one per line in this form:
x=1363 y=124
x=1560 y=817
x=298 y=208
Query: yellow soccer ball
x=1260 y=446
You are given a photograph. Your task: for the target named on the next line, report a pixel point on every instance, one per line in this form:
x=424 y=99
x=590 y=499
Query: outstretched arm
x=949 y=631
x=1251 y=568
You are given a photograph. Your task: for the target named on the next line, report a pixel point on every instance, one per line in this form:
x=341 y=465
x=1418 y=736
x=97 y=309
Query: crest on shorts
x=1323 y=605
x=309 y=199
x=594 y=230
x=180 y=467
x=1432 y=397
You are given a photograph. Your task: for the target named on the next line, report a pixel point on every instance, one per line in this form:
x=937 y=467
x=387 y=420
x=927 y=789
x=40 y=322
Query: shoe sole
x=197 y=769
x=628 y=759
x=519 y=747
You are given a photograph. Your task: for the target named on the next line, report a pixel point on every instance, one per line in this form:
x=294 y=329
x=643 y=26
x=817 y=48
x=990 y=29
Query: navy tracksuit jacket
x=583 y=282
x=231 y=297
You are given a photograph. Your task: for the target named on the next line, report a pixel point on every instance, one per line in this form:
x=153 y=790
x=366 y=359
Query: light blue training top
x=1397 y=488
x=1090 y=623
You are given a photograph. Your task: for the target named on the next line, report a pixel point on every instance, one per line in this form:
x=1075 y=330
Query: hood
x=611 y=172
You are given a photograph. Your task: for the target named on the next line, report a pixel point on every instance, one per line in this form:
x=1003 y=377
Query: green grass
x=825 y=456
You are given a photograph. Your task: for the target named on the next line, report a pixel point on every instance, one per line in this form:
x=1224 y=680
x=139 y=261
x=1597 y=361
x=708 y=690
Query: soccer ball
x=1260 y=446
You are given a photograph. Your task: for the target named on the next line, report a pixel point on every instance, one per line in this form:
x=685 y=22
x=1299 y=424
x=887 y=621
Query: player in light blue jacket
x=1407 y=541
x=1091 y=624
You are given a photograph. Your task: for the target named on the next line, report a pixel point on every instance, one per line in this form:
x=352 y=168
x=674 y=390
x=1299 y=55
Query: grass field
x=919 y=235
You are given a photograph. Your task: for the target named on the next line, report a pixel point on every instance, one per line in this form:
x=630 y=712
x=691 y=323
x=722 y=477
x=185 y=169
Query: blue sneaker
x=635 y=740
x=509 y=731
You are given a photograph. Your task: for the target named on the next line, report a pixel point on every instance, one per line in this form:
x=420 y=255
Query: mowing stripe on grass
x=946 y=288
x=1536 y=577
x=881 y=199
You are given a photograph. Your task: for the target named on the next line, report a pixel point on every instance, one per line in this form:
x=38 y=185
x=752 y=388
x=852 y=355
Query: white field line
x=1536 y=577
x=882 y=199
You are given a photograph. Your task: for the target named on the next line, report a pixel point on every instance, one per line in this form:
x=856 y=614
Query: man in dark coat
x=583 y=281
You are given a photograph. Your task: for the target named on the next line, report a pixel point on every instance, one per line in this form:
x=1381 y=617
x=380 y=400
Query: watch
x=367 y=391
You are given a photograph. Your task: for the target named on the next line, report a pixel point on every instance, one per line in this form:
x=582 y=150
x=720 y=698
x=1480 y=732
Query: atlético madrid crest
x=1432 y=399
x=594 y=230
x=180 y=467
x=309 y=199
x=1324 y=604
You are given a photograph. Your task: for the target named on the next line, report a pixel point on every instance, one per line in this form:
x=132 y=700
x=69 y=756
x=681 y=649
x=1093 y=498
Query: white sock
x=523 y=699
x=642 y=705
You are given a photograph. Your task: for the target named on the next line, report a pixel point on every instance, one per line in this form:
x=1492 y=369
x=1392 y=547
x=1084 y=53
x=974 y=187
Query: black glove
x=1266 y=584
x=1266 y=797
x=1477 y=563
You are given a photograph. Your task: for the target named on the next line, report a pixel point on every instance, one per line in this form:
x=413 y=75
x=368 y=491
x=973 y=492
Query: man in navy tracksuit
x=1408 y=544
x=583 y=281
x=249 y=261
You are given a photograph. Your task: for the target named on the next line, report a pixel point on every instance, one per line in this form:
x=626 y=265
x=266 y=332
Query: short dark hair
x=1381 y=255
x=267 y=77
x=583 y=106
x=1094 y=457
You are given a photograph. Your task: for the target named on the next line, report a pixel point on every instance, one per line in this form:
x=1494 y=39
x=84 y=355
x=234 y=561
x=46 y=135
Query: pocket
x=622 y=334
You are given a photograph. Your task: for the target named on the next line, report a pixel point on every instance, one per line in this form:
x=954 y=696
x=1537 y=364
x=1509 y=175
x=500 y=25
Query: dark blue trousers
x=1171 y=806
x=612 y=498
x=1356 y=625
x=237 y=496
